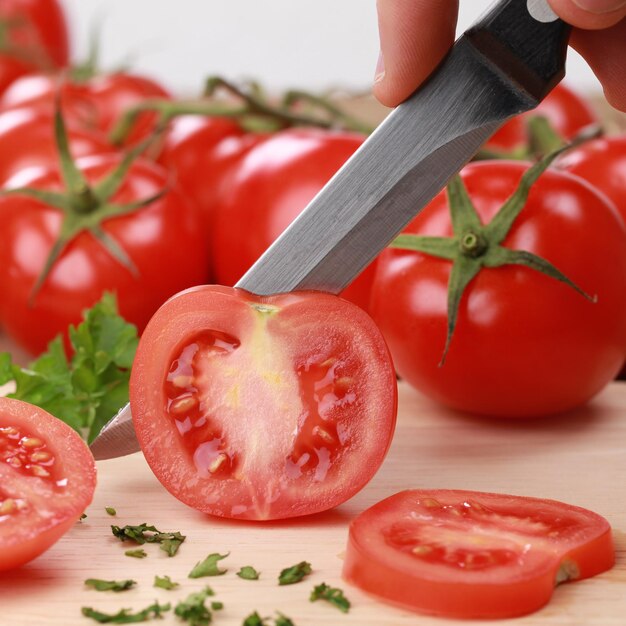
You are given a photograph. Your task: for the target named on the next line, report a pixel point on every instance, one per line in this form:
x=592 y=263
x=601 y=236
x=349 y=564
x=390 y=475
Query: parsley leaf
x=254 y=619
x=124 y=616
x=170 y=542
x=294 y=574
x=217 y=606
x=283 y=620
x=110 y=510
x=330 y=594
x=248 y=572
x=193 y=609
x=110 y=585
x=86 y=391
x=165 y=582
x=209 y=567
x=137 y=554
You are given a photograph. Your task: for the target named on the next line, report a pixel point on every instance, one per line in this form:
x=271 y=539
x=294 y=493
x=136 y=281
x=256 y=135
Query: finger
x=590 y=14
x=604 y=50
x=414 y=36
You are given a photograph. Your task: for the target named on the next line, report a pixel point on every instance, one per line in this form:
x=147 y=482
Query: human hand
x=416 y=34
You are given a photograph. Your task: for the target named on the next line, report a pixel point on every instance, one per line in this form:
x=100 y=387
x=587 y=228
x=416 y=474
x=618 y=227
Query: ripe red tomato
x=567 y=112
x=47 y=479
x=27 y=141
x=164 y=241
x=262 y=407
x=96 y=103
x=267 y=190
x=467 y=554
x=525 y=344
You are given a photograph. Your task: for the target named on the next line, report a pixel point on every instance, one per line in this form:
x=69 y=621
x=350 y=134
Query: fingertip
x=589 y=14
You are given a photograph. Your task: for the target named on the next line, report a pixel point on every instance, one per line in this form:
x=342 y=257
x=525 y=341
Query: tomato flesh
x=47 y=478
x=469 y=554
x=262 y=408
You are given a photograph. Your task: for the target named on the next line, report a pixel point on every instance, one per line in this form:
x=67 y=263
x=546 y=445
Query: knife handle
x=526 y=40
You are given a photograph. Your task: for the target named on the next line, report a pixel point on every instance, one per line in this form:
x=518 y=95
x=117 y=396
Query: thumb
x=590 y=14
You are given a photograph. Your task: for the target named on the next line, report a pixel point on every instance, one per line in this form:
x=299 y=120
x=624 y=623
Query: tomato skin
x=27 y=141
x=516 y=576
x=35 y=529
x=525 y=345
x=291 y=442
x=567 y=112
x=96 y=103
x=268 y=189
x=164 y=241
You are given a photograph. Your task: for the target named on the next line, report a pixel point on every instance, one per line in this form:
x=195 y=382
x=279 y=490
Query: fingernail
x=380 y=68
x=600 y=6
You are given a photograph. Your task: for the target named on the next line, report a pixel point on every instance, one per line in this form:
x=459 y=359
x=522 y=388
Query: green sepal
x=442 y=247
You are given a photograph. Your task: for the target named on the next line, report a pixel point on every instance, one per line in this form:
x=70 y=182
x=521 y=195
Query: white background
x=312 y=44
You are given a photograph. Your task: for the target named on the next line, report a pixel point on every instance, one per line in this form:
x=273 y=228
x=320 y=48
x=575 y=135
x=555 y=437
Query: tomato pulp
x=467 y=554
x=262 y=407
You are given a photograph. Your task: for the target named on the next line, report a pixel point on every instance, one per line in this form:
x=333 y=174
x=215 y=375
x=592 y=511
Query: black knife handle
x=532 y=52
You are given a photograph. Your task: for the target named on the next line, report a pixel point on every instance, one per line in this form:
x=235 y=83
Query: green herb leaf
x=110 y=510
x=143 y=533
x=165 y=582
x=209 y=567
x=88 y=390
x=294 y=574
x=254 y=619
x=217 y=606
x=330 y=594
x=193 y=609
x=283 y=620
x=137 y=554
x=110 y=585
x=247 y=572
x=124 y=616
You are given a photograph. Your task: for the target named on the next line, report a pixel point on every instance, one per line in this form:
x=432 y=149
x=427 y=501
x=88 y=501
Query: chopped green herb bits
x=209 y=567
x=294 y=574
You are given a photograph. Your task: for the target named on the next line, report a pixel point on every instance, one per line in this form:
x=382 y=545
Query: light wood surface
x=578 y=458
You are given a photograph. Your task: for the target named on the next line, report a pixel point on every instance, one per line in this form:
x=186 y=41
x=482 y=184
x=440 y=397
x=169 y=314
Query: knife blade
x=504 y=65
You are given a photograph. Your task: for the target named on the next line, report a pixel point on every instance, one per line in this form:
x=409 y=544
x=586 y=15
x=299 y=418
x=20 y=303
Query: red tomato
x=268 y=189
x=262 y=407
x=38 y=33
x=525 y=344
x=467 y=554
x=567 y=112
x=47 y=479
x=164 y=241
x=27 y=141
x=96 y=103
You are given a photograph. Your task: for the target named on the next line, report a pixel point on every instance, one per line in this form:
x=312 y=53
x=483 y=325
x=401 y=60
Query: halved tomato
x=469 y=554
x=262 y=407
x=47 y=479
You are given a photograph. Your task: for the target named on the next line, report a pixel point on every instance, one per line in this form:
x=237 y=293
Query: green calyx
x=84 y=206
x=475 y=245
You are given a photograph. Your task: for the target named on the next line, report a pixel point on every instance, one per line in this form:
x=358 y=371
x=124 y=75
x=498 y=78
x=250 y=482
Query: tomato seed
x=422 y=550
x=9 y=431
x=183 y=405
x=31 y=442
x=431 y=503
x=8 y=506
x=37 y=470
x=217 y=463
x=323 y=434
x=182 y=382
x=41 y=456
x=14 y=462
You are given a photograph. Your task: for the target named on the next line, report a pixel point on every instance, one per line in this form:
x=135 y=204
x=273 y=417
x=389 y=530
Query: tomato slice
x=469 y=554
x=262 y=407
x=47 y=479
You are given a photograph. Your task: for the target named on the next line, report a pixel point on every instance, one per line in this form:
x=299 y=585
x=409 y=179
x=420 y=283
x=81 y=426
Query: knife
x=505 y=64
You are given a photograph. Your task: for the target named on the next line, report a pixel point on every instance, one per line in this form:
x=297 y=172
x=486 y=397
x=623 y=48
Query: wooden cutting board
x=579 y=458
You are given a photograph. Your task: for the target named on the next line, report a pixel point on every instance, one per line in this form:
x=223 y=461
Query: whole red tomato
x=567 y=112
x=267 y=189
x=27 y=141
x=95 y=103
x=163 y=241
x=35 y=37
x=525 y=344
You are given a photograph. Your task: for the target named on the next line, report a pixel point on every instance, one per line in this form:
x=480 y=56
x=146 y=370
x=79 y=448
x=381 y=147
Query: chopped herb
x=82 y=517
x=170 y=542
x=283 y=620
x=124 y=616
x=110 y=510
x=254 y=619
x=92 y=386
x=165 y=582
x=331 y=594
x=209 y=567
x=217 y=606
x=137 y=554
x=295 y=573
x=248 y=573
x=193 y=609
x=110 y=585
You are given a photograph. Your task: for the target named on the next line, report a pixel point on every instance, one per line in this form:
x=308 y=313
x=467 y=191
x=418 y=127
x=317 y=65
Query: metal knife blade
x=504 y=65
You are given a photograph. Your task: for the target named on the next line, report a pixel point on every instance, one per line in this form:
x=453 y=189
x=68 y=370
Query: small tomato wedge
x=262 y=407
x=47 y=479
x=468 y=554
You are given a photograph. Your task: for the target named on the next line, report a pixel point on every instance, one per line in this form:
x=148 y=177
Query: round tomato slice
x=47 y=479
x=262 y=407
x=468 y=554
